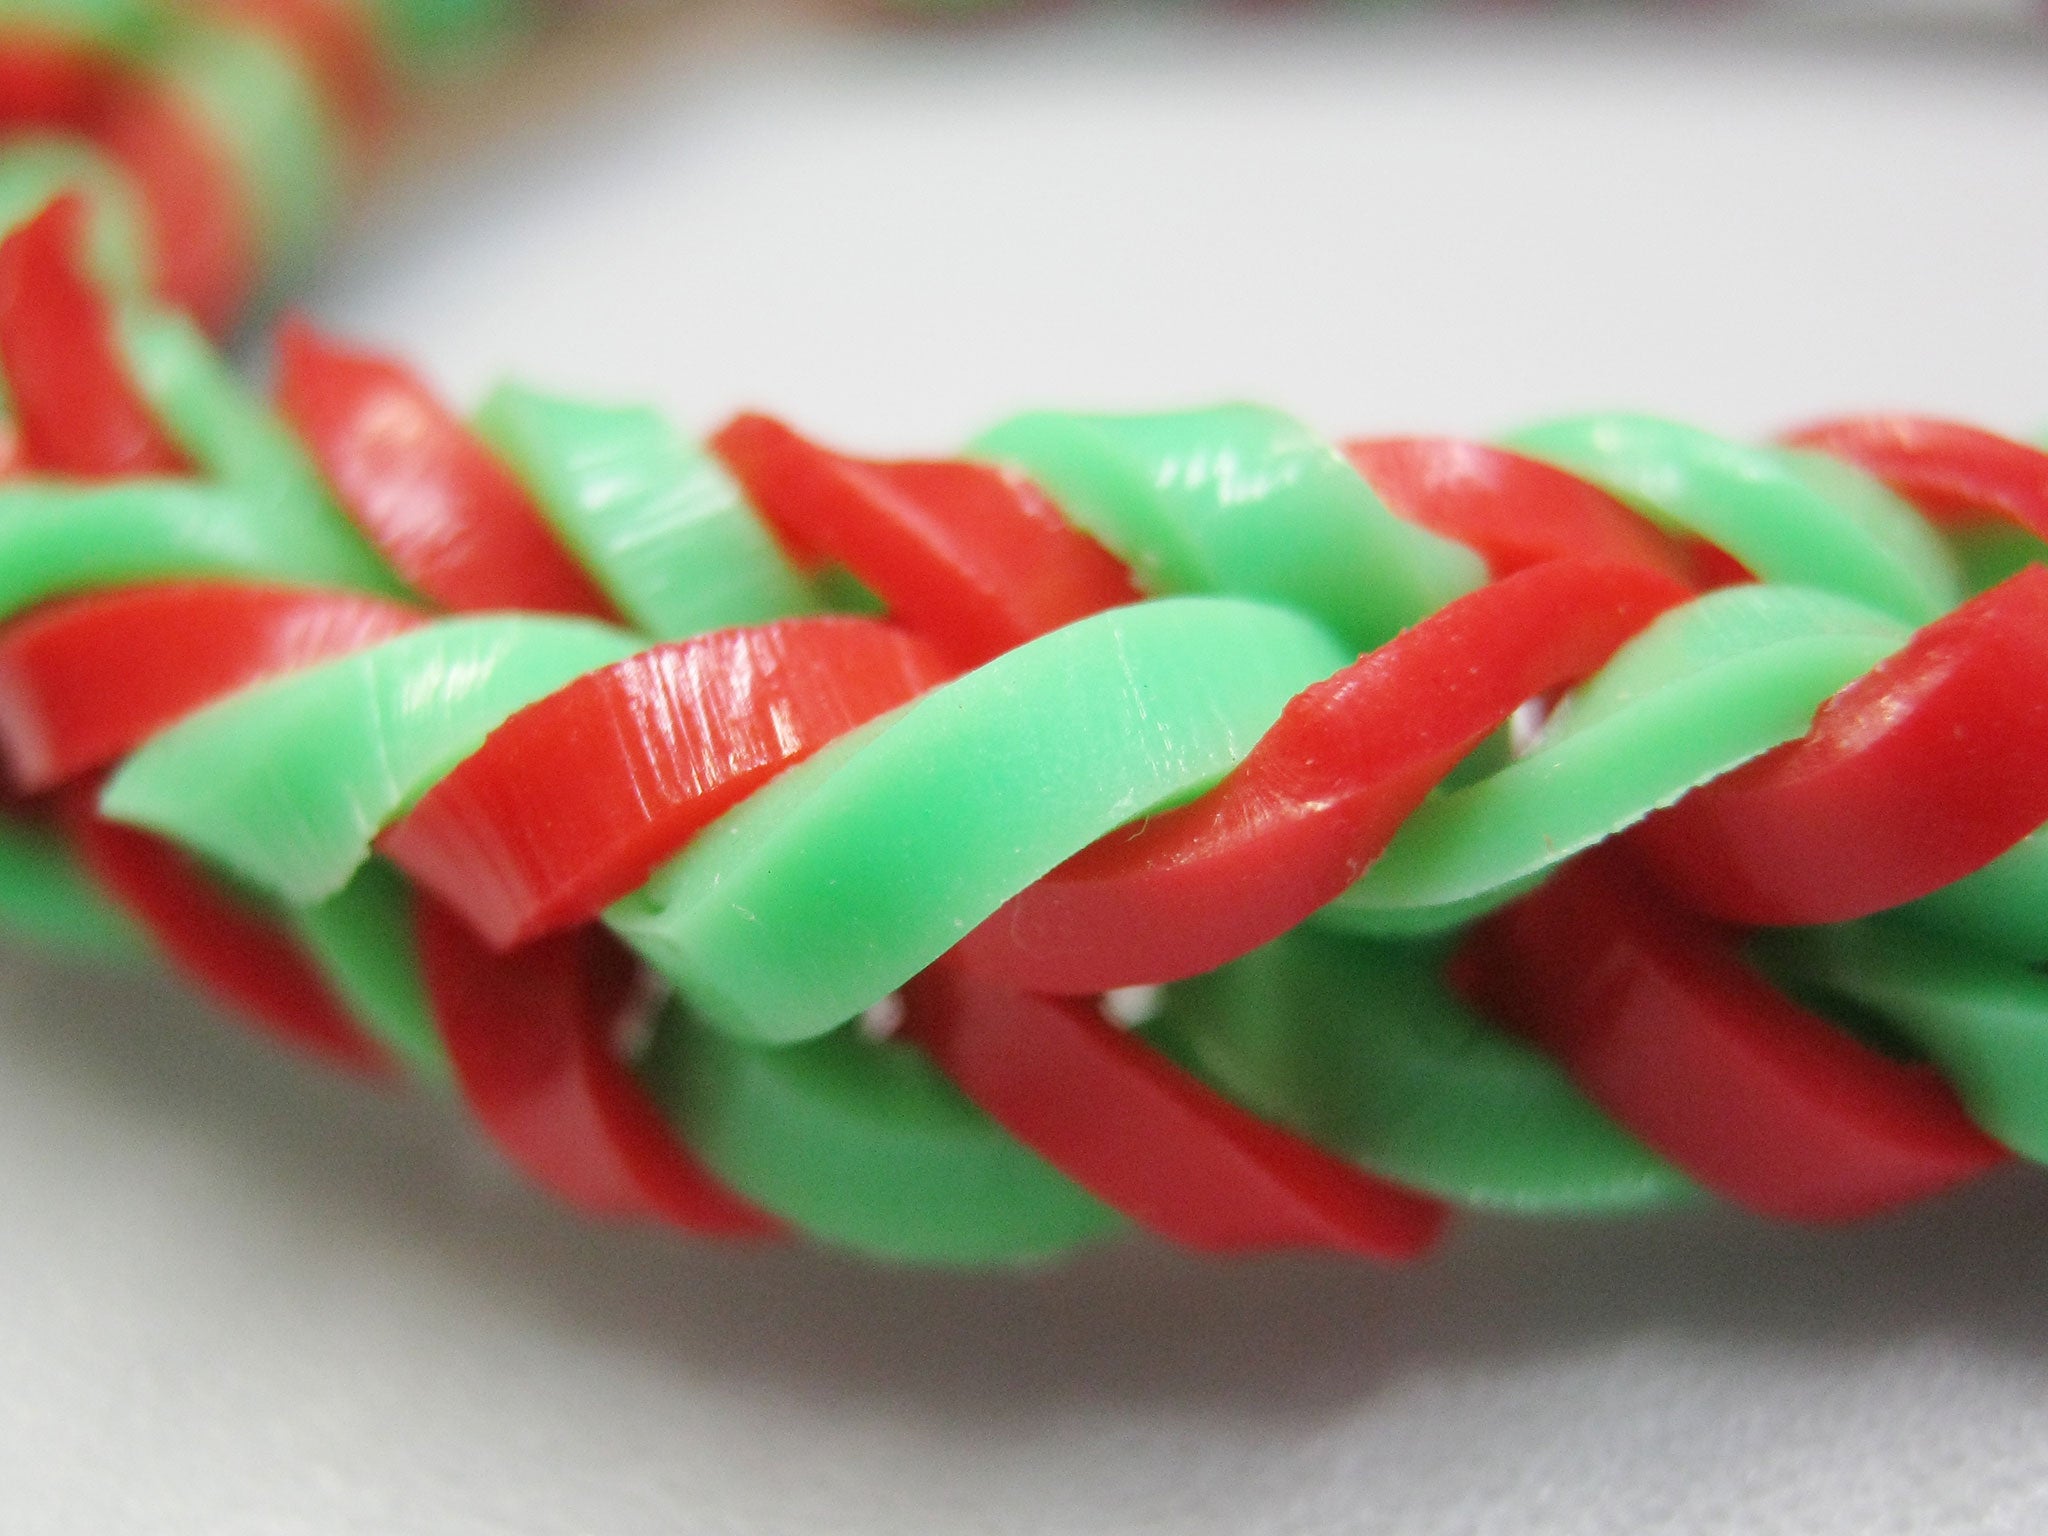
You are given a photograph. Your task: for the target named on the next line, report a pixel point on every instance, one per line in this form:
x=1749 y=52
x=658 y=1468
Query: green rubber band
x=1359 y=1047
x=234 y=439
x=1987 y=553
x=1244 y=501
x=37 y=168
x=654 y=518
x=1981 y=1019
x=2001 y=907
x=60 y=539
x=362 y=940
x=845 y=877
x=865 y=1144
x=1702 y=690
x=287 y=782
x=47 y=899
x=432 y=36
x=268 y=116
x=1794 y=517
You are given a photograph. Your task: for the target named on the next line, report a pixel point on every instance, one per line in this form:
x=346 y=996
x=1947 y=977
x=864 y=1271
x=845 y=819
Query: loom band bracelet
x=657 y=521
x=1239 y=500
x=1786 y=515
x=1703 y=689
x=76 y=411
x=287 y=783
x=2003 y=907
x=973 y=559
x=1918 y=773
x=1656 y=1016
x=442 y=510
x=1512 y=510
x=224 y=943
x=1979 y=1018
x=1359 y=1046
x=85 y=681
x=1148 y=1138
x=1297 y=822
x=574 y=801
x=866 y=1145
x=534 y=1040
x=849 y=874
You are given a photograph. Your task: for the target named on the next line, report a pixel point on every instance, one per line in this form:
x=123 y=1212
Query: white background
x=238 y=1297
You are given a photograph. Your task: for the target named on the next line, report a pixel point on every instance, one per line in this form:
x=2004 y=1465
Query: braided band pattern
x=1178 y=819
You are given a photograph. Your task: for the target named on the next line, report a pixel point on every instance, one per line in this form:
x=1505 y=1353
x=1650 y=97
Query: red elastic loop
x=574 y=800
x=1130 y=1126
x=85 y=681
x=47 y=82
x=1913 y=776
x=1516 y=512
x=438 y=504
x=974 y=559
x=228 y=950
x=1319 y=796
x=77 y=410
x=1654 y=1013
x=1951 y=472
x=533 y=1039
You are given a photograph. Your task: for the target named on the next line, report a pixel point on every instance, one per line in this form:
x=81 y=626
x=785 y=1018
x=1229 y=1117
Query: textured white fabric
x=237 y=1297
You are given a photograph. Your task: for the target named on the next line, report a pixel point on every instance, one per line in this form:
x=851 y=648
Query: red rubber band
x=1952 y=472
x=1134 y=1129
x=1656 y=1016
x=1921 y=771
x=76 y=409
x=229 y=951
x=532 y=1036
x=447 y=514
x=572 y=802
x=85 y=681
x=971 y=558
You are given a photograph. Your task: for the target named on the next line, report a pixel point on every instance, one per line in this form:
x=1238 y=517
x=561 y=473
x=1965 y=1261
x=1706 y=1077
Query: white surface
x=241 y=1298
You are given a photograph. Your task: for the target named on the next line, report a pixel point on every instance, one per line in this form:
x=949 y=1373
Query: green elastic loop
x=1240 y=500
x=865 y=1144
x=131 y=28
x=2001 y=907
x=1359 y=1046
x=431 y=36
x=248 y=86
x=286 y=783
x=236 y=441
x=1987 y=553
x=47 y=899
x=37 y=168
x=1980 y=1018
x=362 y=940
x=1704 y=689
x=61 y=539
x=853 y=871
x=1788 y=516
x=659 y=523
